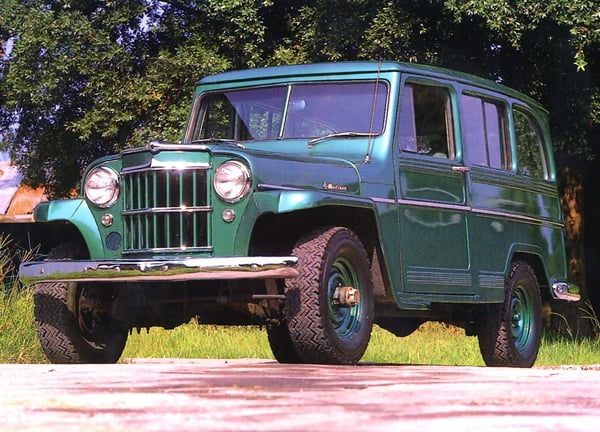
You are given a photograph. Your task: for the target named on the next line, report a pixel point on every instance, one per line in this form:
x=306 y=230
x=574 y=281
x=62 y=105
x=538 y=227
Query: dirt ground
x=262 y=395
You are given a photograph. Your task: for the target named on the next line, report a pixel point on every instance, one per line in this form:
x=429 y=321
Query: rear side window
x=484 y=128
x=531 y=156
x=425 y=124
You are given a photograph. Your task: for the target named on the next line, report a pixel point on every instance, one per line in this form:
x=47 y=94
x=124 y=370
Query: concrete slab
x=262 y=395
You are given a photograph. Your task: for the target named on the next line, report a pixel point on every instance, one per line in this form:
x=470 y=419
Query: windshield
x=313 y=110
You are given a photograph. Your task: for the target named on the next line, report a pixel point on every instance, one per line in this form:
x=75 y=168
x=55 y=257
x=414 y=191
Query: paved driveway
x=261 y=395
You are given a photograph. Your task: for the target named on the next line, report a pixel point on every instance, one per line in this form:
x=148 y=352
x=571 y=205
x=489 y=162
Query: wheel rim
x=521 y=317
x=88 y=320
x=97 y=328
x=344 y=320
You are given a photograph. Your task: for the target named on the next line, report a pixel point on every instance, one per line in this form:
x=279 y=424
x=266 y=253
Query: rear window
x=484 y=126
x=531 y=154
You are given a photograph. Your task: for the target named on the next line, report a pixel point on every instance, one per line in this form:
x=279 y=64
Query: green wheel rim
x=521 y=318
x=344 y=320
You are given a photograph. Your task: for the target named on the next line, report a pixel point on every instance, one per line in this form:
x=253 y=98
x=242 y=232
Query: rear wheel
x=74 y=320
x=330 y=305
x=510 y=332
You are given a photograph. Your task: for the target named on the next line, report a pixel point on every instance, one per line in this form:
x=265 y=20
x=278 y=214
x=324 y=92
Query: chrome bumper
x=160 y=270
x=565 y=291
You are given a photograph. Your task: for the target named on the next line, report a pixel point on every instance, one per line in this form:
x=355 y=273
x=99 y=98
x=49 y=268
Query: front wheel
x=82 y=333
x=510 y=332
x=330 y=305
x=281 y=343
x=74 y=320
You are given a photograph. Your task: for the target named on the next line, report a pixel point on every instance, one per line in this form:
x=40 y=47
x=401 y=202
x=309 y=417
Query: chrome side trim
x=383 y=200
x=160 y=270
x=266 y=186
x=428 y=204
x=529 y=219
x=466 y=208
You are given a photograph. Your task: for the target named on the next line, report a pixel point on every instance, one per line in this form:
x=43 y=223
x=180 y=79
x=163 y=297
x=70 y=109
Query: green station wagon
x=317 y=201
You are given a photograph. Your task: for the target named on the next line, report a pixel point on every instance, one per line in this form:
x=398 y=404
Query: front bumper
x=160 y=270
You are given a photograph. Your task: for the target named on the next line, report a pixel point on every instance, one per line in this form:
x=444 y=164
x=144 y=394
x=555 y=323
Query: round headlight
x=102 y=186
x=232 y=181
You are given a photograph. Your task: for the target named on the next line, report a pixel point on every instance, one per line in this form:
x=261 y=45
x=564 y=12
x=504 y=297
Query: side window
x=425 y=123
x=531 y=157
x=484 y=128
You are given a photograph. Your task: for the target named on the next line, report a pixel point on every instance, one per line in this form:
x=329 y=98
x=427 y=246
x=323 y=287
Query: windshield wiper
x=314 y=141
x=213 y=140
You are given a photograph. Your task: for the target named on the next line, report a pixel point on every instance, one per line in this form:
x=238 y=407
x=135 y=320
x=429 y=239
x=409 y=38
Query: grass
x=18 y=338
x=433 y=343
x=199 y=341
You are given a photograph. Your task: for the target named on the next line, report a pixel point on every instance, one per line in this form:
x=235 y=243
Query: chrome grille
x=165 y=210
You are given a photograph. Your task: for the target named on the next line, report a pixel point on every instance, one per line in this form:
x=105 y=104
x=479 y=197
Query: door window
x=426 y=121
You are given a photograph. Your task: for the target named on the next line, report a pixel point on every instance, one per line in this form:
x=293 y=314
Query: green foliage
x=88 y=78
x=550 y=50
x=515 y=19
x=85 y=79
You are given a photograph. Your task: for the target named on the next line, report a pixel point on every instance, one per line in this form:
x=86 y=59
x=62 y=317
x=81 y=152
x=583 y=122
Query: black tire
x=85 y=332
x=322 y=330
x=281 y=344
x=510 y=333
x=89 y=336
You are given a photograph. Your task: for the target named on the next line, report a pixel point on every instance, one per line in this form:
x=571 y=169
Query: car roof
x=358 y=67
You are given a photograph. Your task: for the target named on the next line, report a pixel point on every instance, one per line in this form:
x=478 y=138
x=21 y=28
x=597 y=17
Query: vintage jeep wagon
x=317 y=200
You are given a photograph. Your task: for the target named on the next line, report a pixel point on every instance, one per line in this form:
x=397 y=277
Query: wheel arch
x=40 y=237
x=74 y=220
x=284 y=230
x=537 y=264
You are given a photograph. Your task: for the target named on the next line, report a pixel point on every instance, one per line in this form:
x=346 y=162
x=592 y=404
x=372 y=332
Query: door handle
x=460 y=169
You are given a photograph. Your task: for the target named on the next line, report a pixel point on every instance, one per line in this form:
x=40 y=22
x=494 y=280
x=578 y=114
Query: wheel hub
x=346 y=296
x=516 y=318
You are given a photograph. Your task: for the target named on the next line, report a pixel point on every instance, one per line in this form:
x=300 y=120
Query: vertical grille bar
x=168 y=225
x=166 y=211
x=195 y=203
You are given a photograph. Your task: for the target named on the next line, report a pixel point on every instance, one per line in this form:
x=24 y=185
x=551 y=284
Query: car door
x=433 y=208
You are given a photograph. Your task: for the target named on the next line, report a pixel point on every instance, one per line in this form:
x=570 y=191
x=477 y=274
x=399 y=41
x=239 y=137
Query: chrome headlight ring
x=232 y=181
x=102 y=186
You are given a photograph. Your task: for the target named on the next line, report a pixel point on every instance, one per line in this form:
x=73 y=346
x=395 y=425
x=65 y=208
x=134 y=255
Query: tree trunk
x=573 y=318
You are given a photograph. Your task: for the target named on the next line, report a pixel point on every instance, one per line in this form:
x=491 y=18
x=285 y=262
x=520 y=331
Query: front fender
x=77 y=213
x=287 y=201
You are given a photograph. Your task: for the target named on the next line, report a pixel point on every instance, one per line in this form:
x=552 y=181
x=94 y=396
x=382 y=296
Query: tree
x=89 y=78
x=548 y=50
x=86 y=78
